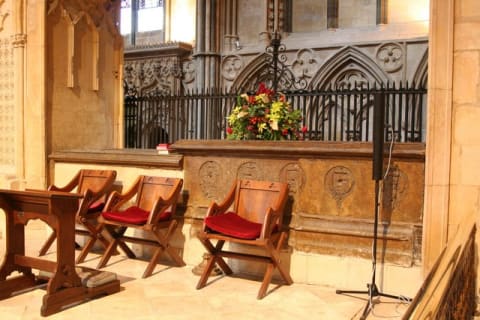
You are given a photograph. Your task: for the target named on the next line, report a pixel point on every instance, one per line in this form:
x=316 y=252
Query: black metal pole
x=275 y=44
x=377 y=170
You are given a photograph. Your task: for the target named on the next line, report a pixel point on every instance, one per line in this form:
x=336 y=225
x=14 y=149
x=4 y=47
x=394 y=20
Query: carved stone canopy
x=154 y=69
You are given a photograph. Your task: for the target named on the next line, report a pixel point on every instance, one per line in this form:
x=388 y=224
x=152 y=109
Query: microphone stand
x=378 y=152
x=372 y=289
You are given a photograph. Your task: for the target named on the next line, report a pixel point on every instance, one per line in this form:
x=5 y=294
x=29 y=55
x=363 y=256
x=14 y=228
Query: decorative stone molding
x=189 y=72
x=151 y=75
x=231 y=66
x=351 y=78
x=7 y=106
x=330 y=207
x=98 y=12
x=3 y=16
x=339 y=181
x=155 y=69
x=294 y=175
x=395 y=186
x=210 y=175
x=305 y=64
x=390 y=56
x=249 y=170
x=18 y=40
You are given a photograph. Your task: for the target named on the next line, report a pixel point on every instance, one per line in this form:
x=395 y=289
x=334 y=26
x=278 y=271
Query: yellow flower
x=242 y=114
x=274 y=124
x=261 y=127
x=262 y=97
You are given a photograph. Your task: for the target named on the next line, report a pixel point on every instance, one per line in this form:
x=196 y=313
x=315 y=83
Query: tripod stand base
x=371 y=292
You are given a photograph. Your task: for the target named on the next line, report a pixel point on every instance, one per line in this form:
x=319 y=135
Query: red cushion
x=133 y=215
x=96 y=206
x=233 y=225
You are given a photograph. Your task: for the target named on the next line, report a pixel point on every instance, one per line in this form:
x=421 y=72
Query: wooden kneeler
x=255 y=219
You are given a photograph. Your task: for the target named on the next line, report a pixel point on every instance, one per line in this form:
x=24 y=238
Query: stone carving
x=7 y=104
x=395 y=187
x=97 y=12
x=231 y=65
x=210 y=174
x=305 y=64
x=188 y=72
x=151 y=75
x=351 y=79
x=339 y=181
x=19 y=40
x=294 y=175
x=249 y=170
x=390 y=56
x=3 y=15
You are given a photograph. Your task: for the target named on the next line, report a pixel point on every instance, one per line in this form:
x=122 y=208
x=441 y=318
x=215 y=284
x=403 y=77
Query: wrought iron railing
x=334 y=114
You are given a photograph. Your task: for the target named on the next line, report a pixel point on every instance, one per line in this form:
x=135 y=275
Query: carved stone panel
x=7 y=106
x=332 y=198
x=339 y=181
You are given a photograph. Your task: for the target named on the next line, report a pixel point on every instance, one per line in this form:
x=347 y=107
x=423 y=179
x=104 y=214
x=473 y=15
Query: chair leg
x=110 y=233
x=267 y=278
x=96 y=233
x=47 y=244
x=153 y=262
x=206 y=272
x=212 y=250
x=107 y=254
x=277 y=261
x=273 y=252
x=126 y=249
x=164 y=242
x=85 y=250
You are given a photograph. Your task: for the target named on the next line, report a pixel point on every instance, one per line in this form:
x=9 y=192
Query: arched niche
x=348 y=66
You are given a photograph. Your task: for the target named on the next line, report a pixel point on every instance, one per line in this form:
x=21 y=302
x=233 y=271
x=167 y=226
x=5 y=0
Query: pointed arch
x=348 y=65
x=420 y=78
x=249 y=77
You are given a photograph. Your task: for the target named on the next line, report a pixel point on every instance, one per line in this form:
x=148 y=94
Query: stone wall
x=331 y=207
x=84 y=54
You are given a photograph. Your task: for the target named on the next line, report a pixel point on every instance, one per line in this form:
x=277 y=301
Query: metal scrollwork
x=277 y=74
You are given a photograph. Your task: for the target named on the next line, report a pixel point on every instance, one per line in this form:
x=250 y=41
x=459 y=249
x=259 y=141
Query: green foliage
x=264 y=116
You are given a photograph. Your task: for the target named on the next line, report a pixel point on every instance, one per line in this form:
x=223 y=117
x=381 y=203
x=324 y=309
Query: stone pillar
x=207 y=51
x=231 y=40
x=439 y=122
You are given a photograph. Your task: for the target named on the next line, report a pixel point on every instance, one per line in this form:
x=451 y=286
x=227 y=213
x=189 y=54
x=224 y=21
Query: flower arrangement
x=264 y=116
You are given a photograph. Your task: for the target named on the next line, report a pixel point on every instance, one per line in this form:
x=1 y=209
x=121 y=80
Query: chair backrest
x=96 y=180
x=151 y=188
x=253 y=198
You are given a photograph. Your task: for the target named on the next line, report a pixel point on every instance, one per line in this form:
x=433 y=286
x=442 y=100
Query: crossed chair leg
x=161 y=243
x=272 y=259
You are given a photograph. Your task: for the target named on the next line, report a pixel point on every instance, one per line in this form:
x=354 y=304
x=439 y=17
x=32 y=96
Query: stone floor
x=170 y=294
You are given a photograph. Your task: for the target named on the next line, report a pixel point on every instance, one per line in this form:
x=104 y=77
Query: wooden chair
x=255 y=219
x=153 y=211
x=93 y=185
